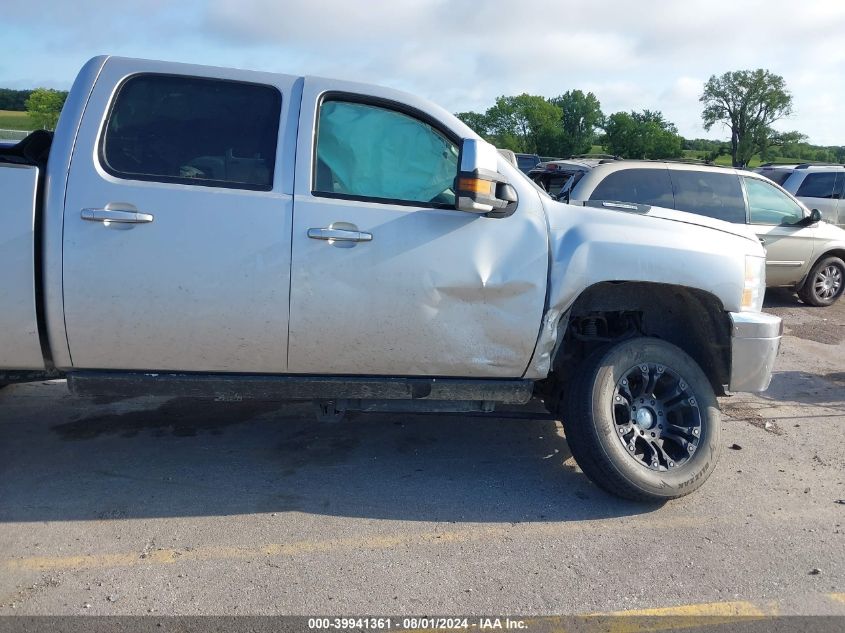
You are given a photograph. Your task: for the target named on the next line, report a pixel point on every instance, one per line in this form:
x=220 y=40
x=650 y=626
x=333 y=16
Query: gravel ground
x=172 y=507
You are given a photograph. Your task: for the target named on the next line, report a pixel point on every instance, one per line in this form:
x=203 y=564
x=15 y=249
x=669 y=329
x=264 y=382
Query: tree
x=525 y=123
x=748 y=101
x=770 y=142
x=13 y=99
x=43 y=107
x=580 y=115
x=477 y=121
x=643 y=134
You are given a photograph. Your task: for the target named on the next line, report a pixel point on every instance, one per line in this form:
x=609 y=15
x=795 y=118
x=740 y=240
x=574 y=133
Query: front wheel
x=825 y=283
x=642 y=420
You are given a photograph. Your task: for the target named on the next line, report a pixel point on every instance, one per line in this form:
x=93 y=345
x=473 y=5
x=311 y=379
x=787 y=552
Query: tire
x=825 y=283
x=597 y=411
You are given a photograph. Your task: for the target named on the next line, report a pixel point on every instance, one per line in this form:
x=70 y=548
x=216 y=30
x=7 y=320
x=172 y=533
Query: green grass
x=12 y=120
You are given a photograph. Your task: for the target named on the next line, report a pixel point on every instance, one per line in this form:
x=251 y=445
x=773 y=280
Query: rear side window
x=370 y=152
x=640 y=186
x=818 y=185
x=715 y=195
x=776 y=176
x=194 y=131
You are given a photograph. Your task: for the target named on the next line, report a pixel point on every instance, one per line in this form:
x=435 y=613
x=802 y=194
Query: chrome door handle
x=339 y=235
x=116 y=215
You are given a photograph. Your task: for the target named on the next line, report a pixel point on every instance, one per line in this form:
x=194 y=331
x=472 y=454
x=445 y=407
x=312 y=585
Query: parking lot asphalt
x=177 y=507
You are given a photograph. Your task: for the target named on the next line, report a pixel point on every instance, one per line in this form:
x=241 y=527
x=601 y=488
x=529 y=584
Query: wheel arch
x=838 y=251
x=691 y=319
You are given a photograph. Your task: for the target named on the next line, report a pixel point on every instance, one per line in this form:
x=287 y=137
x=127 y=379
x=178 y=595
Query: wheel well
x=834 y=252
x=607 y=312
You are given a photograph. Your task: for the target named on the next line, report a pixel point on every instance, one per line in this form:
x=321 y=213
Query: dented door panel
x=434 y=292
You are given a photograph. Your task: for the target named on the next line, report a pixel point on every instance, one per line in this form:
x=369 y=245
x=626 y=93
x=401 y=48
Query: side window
x=768 y=205
x=777 y=177
x=707 y=193
x=371 y=152
x=194 y=131
x=839 y=193
x=818 y=185
x=640 y=186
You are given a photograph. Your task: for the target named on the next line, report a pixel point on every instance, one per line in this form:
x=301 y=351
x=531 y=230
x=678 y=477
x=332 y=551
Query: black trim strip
x=296 y=387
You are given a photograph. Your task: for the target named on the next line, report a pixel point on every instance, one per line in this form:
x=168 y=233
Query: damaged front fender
x=590 y=246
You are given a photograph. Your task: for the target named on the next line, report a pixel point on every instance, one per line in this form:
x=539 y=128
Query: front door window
x=768 y=205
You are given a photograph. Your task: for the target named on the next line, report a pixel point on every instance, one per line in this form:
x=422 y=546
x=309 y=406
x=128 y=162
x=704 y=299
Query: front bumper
x=755 y=339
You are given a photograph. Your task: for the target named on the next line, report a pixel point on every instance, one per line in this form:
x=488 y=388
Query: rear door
x=387 y=276
x=715 y=194
x=177 y=221
x=774 y=216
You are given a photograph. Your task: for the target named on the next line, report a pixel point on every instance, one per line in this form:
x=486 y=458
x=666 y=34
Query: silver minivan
x=802 y=251
x=820 y=187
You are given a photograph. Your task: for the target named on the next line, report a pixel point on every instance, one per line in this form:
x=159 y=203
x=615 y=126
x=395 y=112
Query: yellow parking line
x=374 y=542
x=367 y=542
x=684 y=616
x=739 y=608
x=837 y=597
x=168 y=555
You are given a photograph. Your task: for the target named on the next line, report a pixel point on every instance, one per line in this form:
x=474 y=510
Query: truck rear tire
x=642 y=420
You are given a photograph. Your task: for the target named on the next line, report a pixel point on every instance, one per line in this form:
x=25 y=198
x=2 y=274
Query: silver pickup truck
x=225 y=234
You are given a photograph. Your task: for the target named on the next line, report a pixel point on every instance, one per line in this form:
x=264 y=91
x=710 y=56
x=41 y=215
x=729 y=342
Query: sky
x=462 y=54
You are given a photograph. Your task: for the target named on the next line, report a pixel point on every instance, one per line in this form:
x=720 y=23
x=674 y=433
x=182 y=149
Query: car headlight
x=754 y=286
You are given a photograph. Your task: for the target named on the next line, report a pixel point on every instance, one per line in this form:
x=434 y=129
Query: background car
x=526 y=162
x=509 y=156
x=820 y=187
x=802 y=251
x=554 y=175
x=776 y=172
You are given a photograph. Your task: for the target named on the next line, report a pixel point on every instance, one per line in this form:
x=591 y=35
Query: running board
x=229 y=387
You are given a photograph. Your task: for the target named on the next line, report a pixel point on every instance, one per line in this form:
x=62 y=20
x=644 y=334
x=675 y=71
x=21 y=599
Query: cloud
x=462 y=53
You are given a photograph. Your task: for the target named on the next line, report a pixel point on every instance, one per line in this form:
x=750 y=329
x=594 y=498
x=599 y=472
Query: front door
x=177 y=227
x=387 y=277
x=775 y=218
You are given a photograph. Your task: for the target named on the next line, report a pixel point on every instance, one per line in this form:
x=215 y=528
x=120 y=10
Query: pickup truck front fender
x=589 y=246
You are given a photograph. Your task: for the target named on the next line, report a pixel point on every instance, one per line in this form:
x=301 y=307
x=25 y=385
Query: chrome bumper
x=755 y=339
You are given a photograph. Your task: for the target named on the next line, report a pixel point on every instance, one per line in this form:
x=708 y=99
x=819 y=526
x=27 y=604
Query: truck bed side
x=20 y=345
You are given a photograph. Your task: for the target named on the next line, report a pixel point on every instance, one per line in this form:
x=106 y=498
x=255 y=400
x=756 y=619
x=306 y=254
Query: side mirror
x=479 y=187
x=815 y=217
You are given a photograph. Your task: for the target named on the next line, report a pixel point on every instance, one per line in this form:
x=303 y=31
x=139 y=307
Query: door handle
x=116 y=215
x=339 y=235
